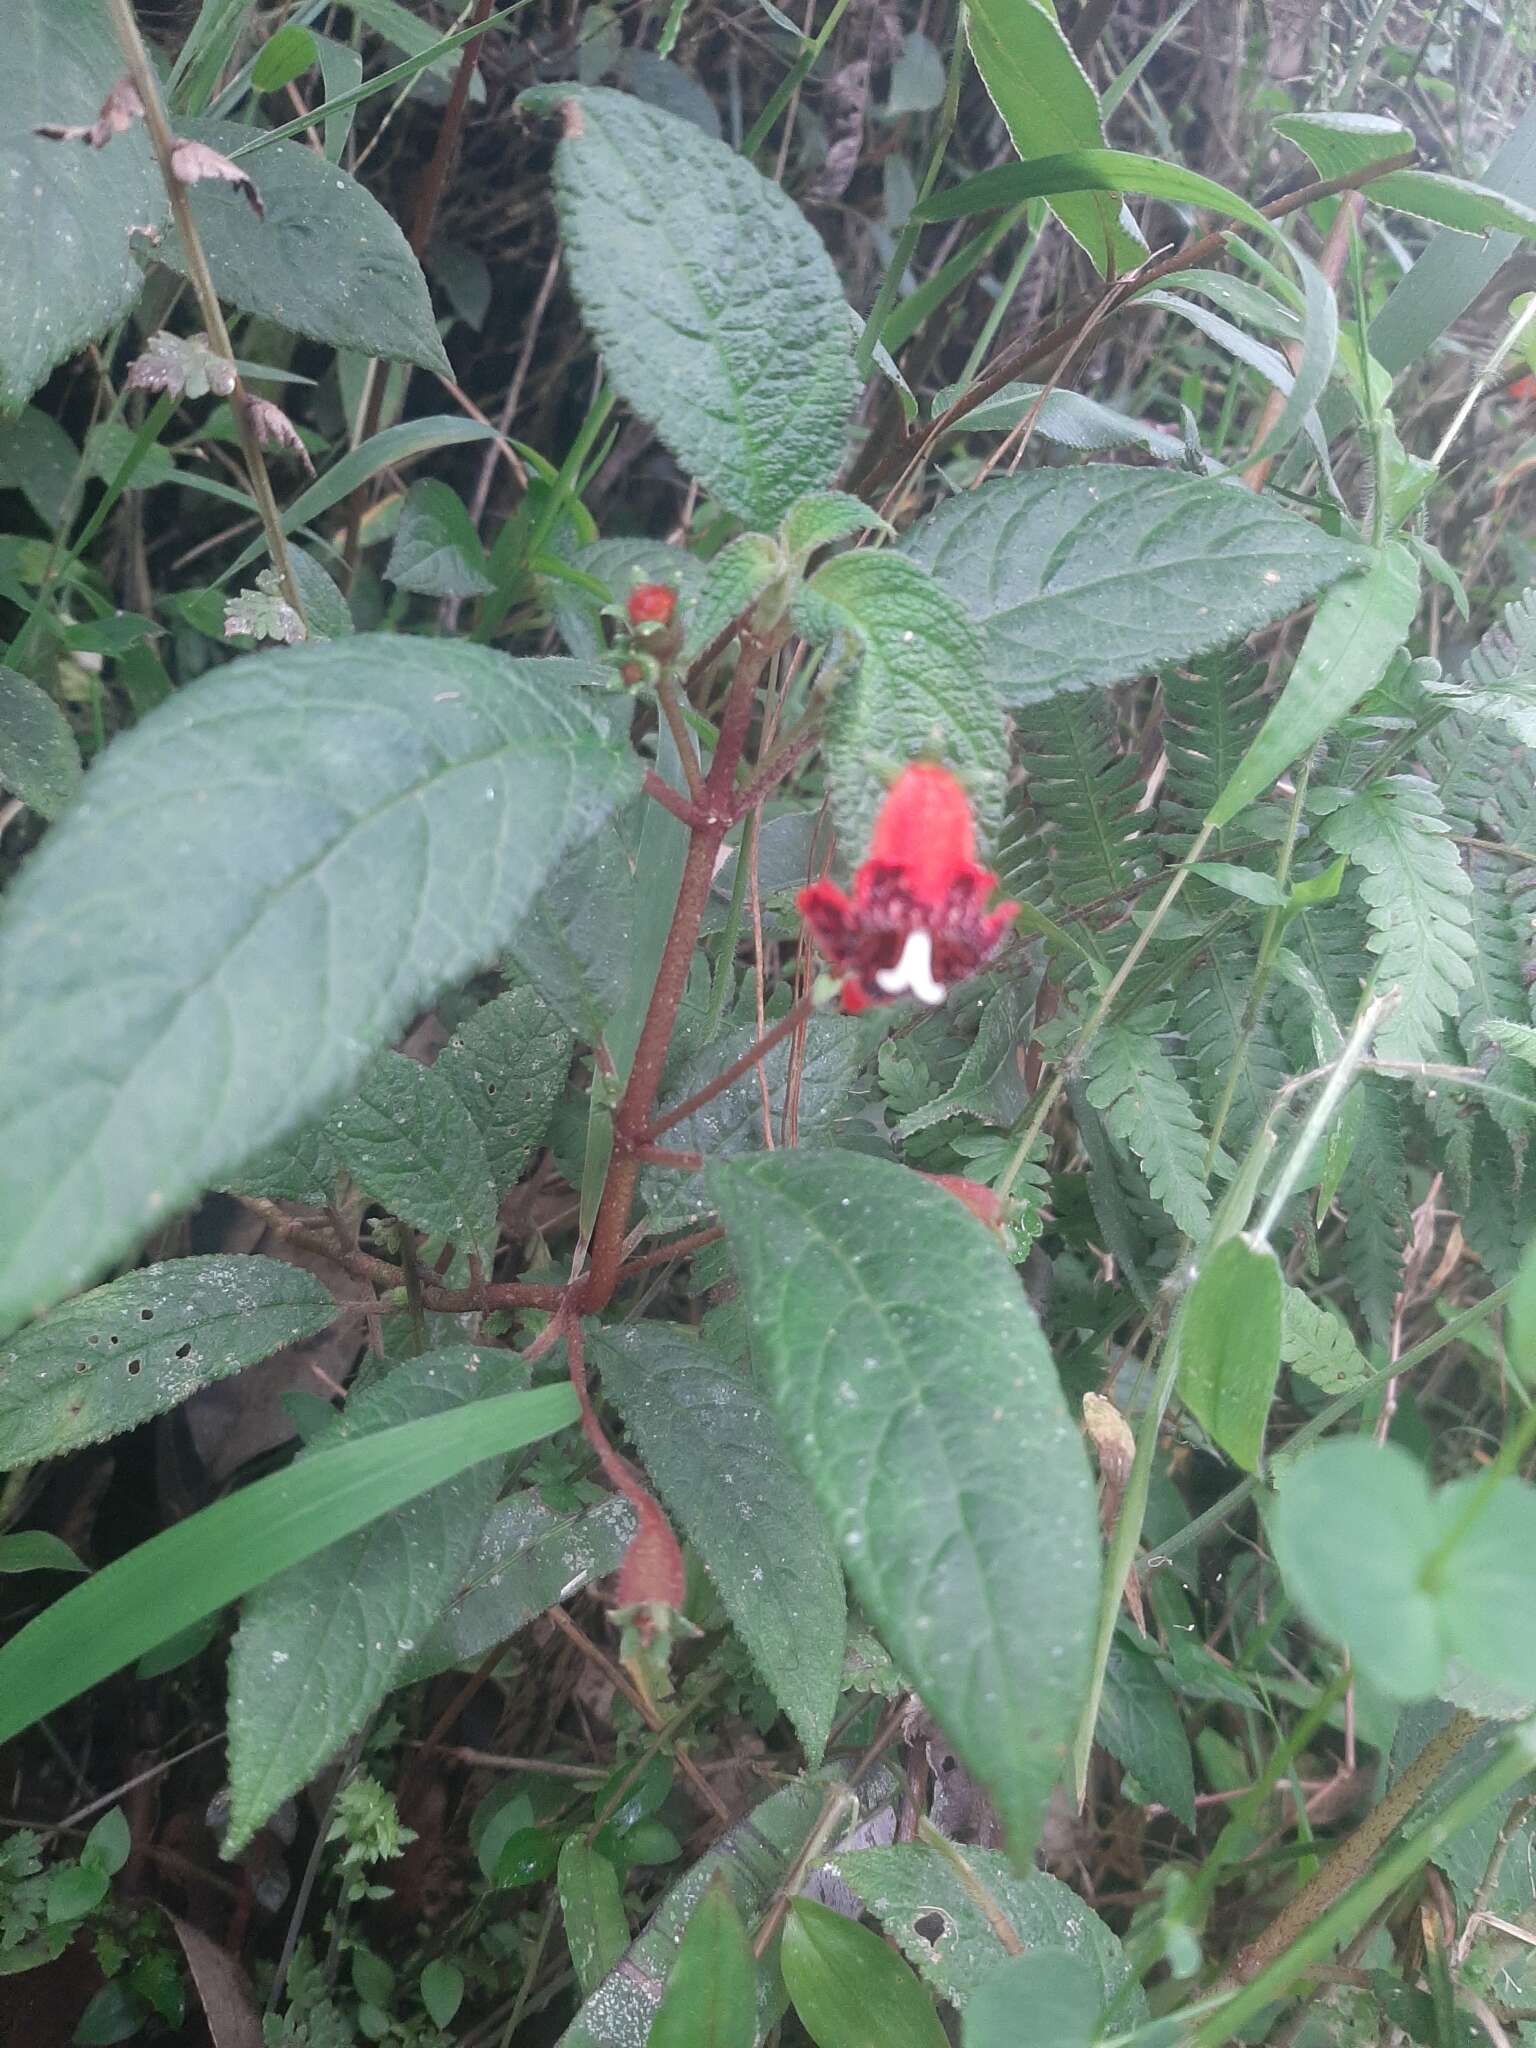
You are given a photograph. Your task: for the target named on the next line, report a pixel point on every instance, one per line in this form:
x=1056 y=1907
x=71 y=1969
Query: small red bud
x=651 y=604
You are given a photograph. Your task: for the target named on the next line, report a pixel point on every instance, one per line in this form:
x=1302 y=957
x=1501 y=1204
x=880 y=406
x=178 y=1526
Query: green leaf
x=1339 y=144
x=318 y=1647
x=39 y=760
x=409 y=1143
x=719 y=314
x=109 y=1360
x=1358 y=627
x=1069 y=418
x=919 y=687
x=592 y=1907
x=67 y=280
x=1048 y=106
x=38 y=458
x=1408 y=1581
x=1087 y=170
x=190 y=963
x=1097 y=575
x=719 y=1459
x=1140 y=1725
x=825 y=516
x=441 y=1985
x=326 y=611
x=437 y=552
x=1048 y=2000
x=1134 y=1085
x=931 y=1424
x=754 y=1859
x=1418 y=899
x=108 y=1843
x=34 y=1550
x=283 y=58
x=213 y=1557
x=75 y=1889
x=945 y=1908
x=711 y=1995
x=299 y=1168
x=527 y=1559
x=1229 y=1347
x=327 y=261
x=1315 y=1341
x=508 y=1064
x=1248 y=883
x=1520 y=1323
x=847 y=1987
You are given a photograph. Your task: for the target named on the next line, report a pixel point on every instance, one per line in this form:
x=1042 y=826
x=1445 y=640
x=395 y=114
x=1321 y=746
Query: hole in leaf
x=146 y=1315
x=135 y=1365
x=82 y=1365
x=184 y=1350
x=932 y=1926
x=114 y=1338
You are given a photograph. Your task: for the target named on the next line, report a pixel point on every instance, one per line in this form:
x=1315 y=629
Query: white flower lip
x=913 y=972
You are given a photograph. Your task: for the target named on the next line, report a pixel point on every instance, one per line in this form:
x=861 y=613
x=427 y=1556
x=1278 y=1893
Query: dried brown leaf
x=119 y=110
x=194 y=163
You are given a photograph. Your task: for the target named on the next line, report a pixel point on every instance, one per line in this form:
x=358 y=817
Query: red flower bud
x=651 y=604
x=915 y=923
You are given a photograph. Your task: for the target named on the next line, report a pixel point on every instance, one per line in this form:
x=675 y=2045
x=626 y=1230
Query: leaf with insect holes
x=109 y=1360
x=325 y=260
x=719 y=314
x=918 y=687
x=918 y=1396
x=718 y=1457
x=508 y=1064
x=190 y=964
x=318 y=1648
x=39 y=760
x=67 y=212
x=1083 y=577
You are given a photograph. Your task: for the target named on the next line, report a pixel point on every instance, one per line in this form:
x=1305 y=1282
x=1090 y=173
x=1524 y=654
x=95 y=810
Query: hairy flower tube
x=916 y=922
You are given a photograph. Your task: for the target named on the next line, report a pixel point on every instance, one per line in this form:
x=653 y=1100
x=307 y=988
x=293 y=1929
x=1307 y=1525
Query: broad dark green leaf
x=753 y=1860
x=318 y=1647
x=283 y=58
x=1141 y=1727
x=848 y=1989
x=1048 y=2000
x=109 y=1360
x=39 y=760
x=719 y=1459
x=719 y=314
x=192 y=961
x=408 y=1141
x=213 y=1557
x=1229 y=1347
x=1097 y=575
x=327 y=261
x=919 y=686
x=436 y=551
x=1358 y=627
x=918 y=1396
x=508 y=1064
x=527 y=1558
x=1048 y=106
x=67 y=212
x=592 y=1907
x=441 y=1985
x=1413 y=1584
x=946 y=1916
x=711 y=1995
x=299 y=1168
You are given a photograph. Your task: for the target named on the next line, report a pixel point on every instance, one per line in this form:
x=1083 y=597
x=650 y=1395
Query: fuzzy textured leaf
x=409 y=1142
x=1097 y=575
x=905 y=1887
x=109 y=1360
x=920 y=688
x=327 y=261
x=719 y=1458
x=39 y=761
x=66 y=211
x=508 y=1064
x=190 y=963
x=318 y=1648
x=718 y=311
x=931 y=1424
x=1418 y=901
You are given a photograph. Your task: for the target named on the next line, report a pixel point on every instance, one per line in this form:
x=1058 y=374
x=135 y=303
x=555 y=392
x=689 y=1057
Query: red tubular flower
x=915 y=923
x=651 y=604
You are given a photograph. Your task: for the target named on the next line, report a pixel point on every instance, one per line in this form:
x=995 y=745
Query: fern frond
x=1132 y=1082
x=1418 y=905
x=1211 y=711
x=1498 y=1218
x=1082 y=795
x=1211 y=1004
x=1315 y=1341
x=1496 y=992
